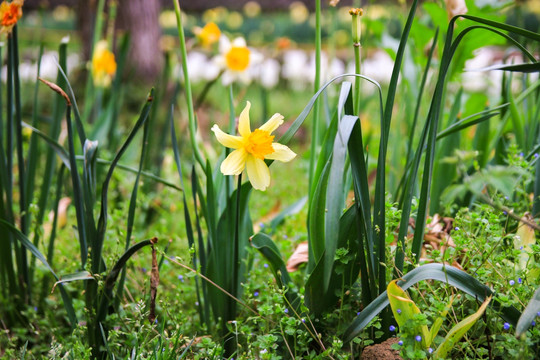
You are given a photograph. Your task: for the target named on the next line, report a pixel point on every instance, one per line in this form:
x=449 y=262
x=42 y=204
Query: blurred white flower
x=200 y=68
x=295 y=68
x=455 y=7
x=267 y=73
x=481 y=81
x=378 y=67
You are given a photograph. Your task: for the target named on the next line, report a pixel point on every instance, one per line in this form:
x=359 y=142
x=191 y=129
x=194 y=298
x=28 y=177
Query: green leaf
x=270 y=251
x=335 y=194
x=529 y=314
x=288 y=211
x=457 y=332
x=438 y=322
x=399 y=300
x=34 y=250
x=444 y=273
x=79 y=275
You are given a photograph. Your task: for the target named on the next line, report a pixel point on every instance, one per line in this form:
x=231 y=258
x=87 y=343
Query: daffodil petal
x=281 y=153
x=224 y=44
x=227 y=140
x=234 y=163
x=243 y=123
x=239 y=42
x=273 y=123
x=258 y=173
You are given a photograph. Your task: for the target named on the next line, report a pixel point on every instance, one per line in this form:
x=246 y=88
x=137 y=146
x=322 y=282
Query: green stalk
x=356 y=37
x=357 y=69
x=189 y=96
x=236 y=264
x=316 y=109
x=89 y=90
x=14 y=112
x=7 y=273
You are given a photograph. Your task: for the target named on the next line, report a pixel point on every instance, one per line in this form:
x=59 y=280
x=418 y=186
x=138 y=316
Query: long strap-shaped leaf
x=529 y=314
x=379 y=211
x=102 y=222
x=35 y=251
x=435 y=112
x=446 y=274
x=335 y=196
x=78 y=199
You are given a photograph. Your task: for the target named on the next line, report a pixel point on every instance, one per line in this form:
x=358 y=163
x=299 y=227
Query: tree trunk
x=141 y=19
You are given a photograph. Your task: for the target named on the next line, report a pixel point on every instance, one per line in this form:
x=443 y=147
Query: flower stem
x=317 y=82
x=236 y=265
x=187 y=86
x=357 y=68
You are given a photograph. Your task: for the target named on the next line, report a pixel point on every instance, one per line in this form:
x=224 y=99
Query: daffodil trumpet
x=252 y=148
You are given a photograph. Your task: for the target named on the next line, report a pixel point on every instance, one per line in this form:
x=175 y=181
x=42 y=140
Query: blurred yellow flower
x=10 y=13
x=236 y=59
x=252 y=148
x=208 y=35
x=103 y=64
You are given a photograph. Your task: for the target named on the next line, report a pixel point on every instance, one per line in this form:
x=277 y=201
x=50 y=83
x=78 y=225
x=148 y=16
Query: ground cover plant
x=156 y=223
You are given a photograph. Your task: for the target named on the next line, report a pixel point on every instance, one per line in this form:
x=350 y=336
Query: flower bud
x=356 y=25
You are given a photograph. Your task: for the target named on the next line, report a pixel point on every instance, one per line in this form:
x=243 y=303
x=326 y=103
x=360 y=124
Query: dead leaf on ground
x=299 y=257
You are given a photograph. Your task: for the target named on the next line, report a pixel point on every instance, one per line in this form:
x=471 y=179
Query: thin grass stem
x=187 y=84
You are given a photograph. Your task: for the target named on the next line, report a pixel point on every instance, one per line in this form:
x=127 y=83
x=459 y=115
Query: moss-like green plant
x=406 y=314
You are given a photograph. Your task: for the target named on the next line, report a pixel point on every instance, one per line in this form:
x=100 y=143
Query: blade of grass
x=131 y=211
x=97 y=244
x=187 y=85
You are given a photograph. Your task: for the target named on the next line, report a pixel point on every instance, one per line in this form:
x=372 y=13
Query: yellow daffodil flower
x=10 y=13
x=208 y=35
x=236 y=59
x=252 y=148
x=103 y=64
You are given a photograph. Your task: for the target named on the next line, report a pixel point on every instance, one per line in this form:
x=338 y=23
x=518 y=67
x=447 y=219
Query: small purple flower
x=418 y=338
x=506 y=326
x=358 y=314
x=286 y=311
x=196 y=303
x=536 y=155
x=505 y=213
x=533 y=323
x=392 y=328
x=256 y=293
x=303 y=320
x=266 y=265
x=521 y=247
x=398 y=311
x=456 y=228
x=511 y=282
x=400 y=343
x=261 y=224
x=181 y=278
x=285 y=237
x=143 y=269
x=520 y=280
x=35 y=308
x=521 y=154
x=155 y=321
x=538 y=313
x=430 y=350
